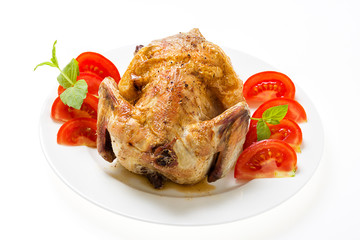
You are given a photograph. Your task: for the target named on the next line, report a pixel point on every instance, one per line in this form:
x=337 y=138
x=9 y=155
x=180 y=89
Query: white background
x=315 y=42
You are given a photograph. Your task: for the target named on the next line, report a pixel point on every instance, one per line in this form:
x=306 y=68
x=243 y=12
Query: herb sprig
x=271 y=115
x=75 y=90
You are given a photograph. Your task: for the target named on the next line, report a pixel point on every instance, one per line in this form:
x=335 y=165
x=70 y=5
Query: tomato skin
x=296 y=112
x=78 y=132
x=287 y=130
x=98 y=64
x=266 y=159
x=267 y=85
x=62 y=113
x=93 y=81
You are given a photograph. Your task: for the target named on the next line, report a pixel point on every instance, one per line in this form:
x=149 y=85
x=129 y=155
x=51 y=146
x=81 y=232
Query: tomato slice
x=267 y=85
x=295 y=111
x=287 y=130
x=266 y=159
x=93 y=81
x=98 y=64
x=62 y=113
x=78 y=132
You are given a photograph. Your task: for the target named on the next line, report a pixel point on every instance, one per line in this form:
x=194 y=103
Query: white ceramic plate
x=114 y=189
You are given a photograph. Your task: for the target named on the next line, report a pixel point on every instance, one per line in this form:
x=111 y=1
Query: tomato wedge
x=78 y=132
x=295 y=111
x=93 y=81
x=98 y=64
x=287 y=130
x=266 y=159
x=62 y=113
x=267 y=85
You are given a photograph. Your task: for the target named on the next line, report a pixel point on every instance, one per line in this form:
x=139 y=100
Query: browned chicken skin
x=178 y=113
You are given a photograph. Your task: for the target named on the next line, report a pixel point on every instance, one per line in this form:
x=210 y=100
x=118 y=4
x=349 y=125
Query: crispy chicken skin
x=178 y=112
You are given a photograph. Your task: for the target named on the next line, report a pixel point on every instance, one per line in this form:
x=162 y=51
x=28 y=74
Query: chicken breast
x=178 y=112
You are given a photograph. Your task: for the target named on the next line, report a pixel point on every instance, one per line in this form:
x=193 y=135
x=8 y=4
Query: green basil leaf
x=54 y=59
x=275 y=113
x=273 y=121
x=262 y=130
x=68 y=76
x=74 y=96
x=45 y=63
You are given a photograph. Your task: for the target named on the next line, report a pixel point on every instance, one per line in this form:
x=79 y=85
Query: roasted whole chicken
x=178 y=112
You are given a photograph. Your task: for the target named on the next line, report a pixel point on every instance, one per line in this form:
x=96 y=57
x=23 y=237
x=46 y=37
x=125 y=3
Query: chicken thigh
x=178 y=112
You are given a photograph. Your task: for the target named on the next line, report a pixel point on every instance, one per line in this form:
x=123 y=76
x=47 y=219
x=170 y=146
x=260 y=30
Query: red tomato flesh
x=267 y=85
x=93 y=81
x=266 y=159
x=62 y=113
x=98 y=64
x=78 y=132
x=287 y=131
x=295 y=111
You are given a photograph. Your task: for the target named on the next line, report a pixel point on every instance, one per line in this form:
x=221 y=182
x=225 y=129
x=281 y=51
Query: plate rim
x=83 y=195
